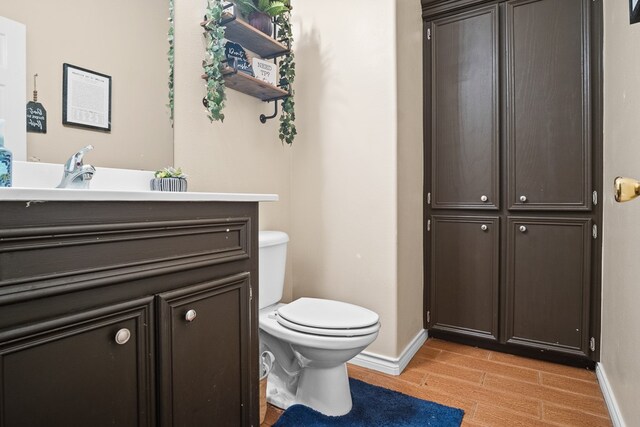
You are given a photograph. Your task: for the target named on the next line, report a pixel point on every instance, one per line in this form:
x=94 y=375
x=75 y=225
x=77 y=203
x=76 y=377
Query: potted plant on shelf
x=169 y=179
x=259 y=13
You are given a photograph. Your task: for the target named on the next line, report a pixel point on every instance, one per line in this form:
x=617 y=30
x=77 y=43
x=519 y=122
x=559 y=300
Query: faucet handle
x=75 y=161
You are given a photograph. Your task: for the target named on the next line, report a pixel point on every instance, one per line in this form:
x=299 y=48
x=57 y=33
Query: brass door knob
x=626 y=189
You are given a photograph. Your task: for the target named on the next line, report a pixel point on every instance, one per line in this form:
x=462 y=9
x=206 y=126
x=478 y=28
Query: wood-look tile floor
x=494 y=389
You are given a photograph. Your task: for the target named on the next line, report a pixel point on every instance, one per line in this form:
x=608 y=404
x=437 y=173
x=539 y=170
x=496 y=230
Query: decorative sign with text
x=237 y=58
x=265 y=71
x=36 y=118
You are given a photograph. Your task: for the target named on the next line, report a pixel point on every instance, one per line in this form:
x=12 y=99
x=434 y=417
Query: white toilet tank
x=272 y=260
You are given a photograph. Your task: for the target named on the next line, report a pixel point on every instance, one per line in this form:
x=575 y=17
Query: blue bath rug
x=379 y=407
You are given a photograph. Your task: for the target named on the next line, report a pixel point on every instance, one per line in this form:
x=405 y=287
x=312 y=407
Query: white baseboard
x=609 y=397
x=390 y=365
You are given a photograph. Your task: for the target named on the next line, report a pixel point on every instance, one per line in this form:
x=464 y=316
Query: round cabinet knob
x=484 y=198
x=122 y=336
x=484 y=227
x=523 y=229
x=523 y=199
x=190 y=316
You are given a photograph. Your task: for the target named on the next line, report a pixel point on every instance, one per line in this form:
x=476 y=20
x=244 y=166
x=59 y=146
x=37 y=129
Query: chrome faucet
x=76 y=174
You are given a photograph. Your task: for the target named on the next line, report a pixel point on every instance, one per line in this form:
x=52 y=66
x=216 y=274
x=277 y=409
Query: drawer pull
x=190 y=316
x=523 y=199
x=484 y=198
x=122 y=336
x=484 y=227
x=523 y=229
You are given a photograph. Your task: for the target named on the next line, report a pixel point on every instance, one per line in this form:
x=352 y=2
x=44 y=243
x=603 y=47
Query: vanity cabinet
x=128 y=313
x=89 y=368
x=201 y=366
x=513 y=126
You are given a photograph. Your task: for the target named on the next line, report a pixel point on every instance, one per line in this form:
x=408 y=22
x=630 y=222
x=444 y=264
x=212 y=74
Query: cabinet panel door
x=465 y=275
x=205 y=361
x=464 y=105
x=72 y=372
x=548 y=282
x=548 y=105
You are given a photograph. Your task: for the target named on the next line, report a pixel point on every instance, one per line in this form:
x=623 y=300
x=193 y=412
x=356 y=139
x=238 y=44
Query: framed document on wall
x=86 y=98
x=634 y=10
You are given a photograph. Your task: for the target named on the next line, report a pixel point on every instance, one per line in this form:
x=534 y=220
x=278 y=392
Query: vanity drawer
x=107 y=240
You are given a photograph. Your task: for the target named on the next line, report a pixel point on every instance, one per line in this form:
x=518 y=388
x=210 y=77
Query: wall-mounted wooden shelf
x=250 y=38
x=251 y=86
x=261 y=44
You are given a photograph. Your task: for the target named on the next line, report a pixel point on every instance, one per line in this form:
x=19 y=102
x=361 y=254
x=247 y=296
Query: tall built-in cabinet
x=512 y=166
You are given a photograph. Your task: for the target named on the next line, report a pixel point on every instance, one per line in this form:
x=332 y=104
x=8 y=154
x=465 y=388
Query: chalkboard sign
x=237 y=58
x=36 y=118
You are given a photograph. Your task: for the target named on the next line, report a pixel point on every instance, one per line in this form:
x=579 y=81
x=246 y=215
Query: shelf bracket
x=263 y=118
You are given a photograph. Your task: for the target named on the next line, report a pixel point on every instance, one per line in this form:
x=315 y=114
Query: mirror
x=126 y=40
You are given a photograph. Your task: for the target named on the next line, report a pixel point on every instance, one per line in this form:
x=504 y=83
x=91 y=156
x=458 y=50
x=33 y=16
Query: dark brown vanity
x=129 y=313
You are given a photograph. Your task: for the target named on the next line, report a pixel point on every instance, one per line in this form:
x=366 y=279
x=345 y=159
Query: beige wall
x=126 y=40
x=239 y=155
x=357 y=177
x=621 y=286
x=344 y=165
x=410 y=171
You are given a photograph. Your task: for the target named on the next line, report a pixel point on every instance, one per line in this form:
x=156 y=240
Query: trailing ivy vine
x=214 y=57
x=171 y=56
x=287 y=72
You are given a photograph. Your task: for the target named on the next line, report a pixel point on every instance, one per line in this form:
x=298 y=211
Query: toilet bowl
x=311 y=338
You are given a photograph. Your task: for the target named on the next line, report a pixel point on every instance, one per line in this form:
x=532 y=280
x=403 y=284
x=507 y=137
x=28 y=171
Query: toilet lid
x=353 y=332
x=311 y=314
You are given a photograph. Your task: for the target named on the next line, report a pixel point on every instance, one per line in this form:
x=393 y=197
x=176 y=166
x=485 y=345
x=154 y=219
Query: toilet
x=311 y=338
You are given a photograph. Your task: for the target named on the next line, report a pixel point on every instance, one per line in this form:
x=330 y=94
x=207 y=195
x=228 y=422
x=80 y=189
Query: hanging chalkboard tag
x=36 y=117
x=237 y=58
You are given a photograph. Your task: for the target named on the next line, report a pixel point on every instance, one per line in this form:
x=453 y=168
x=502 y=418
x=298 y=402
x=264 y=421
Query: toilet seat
x=329 y=318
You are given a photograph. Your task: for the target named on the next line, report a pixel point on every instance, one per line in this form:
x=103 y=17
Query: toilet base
x=324 y=389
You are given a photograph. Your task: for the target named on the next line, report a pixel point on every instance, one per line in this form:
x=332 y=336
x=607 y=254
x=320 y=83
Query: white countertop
x=60 y=194
x=36 y=182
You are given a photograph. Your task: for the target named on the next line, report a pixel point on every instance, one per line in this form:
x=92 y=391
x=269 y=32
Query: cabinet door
x=73 y=372
x=465 y=276
x=548 y=282
x=204 y=354
x=548 y=105
x=464 y=108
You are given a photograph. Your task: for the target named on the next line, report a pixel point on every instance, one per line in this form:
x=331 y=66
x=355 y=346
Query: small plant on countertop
x=212 y=64
x=170 y=172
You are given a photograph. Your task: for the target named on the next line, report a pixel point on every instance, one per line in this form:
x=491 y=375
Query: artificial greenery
x=268 y=7
x=170 y=172
x=171 y=55
x=215 y=57
x=212 y=64
x=287 y=72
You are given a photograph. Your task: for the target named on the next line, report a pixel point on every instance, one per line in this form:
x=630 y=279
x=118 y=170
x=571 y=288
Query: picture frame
x=634 y=11
x=86 y=98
